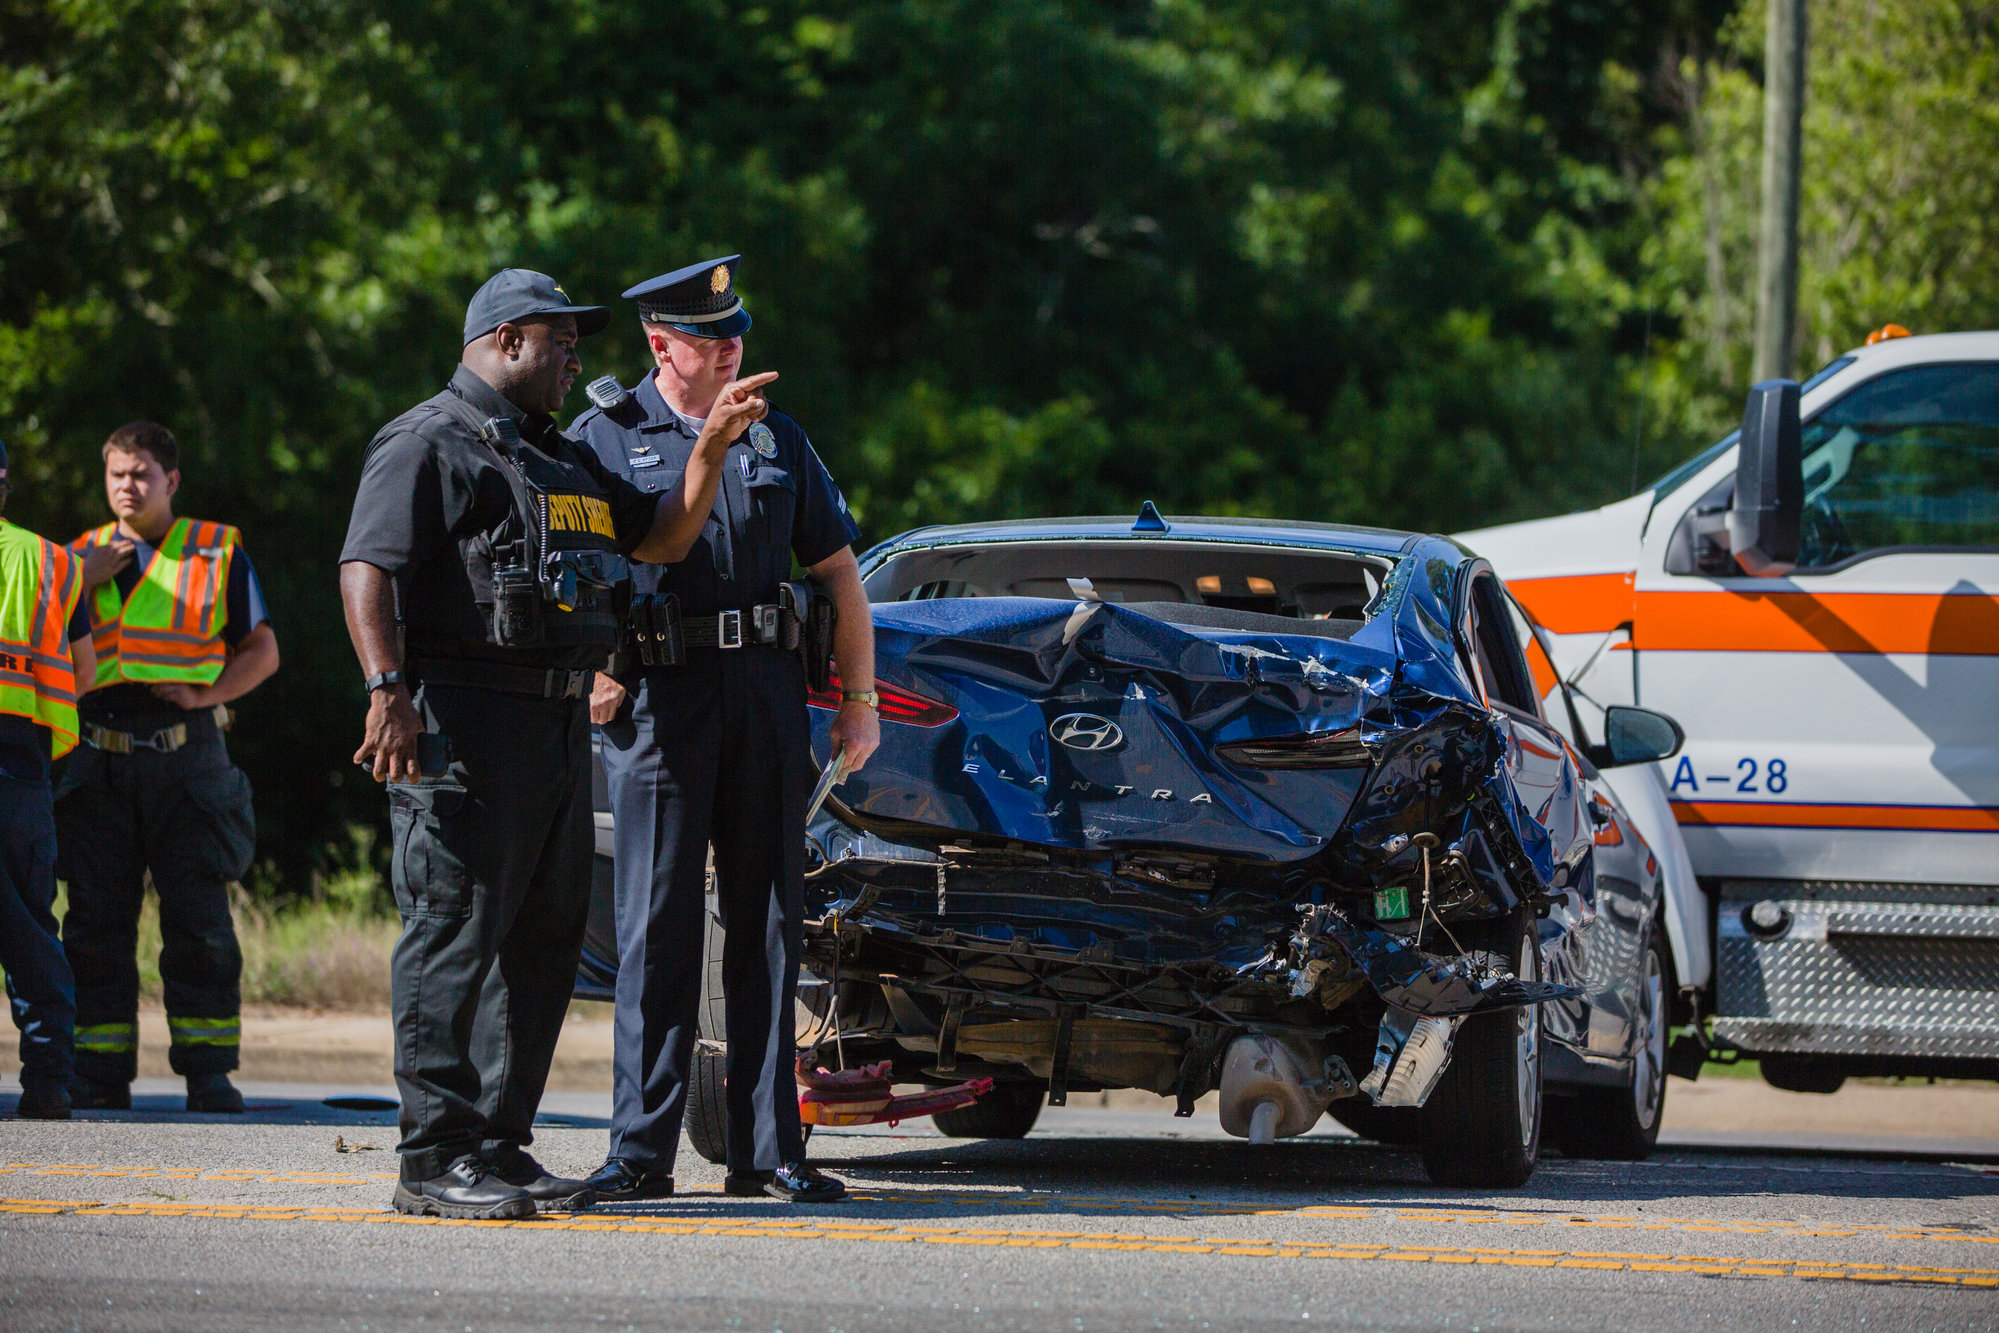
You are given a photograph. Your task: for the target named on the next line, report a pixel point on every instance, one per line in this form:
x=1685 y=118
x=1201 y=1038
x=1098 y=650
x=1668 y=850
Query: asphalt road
x=1102 y=1220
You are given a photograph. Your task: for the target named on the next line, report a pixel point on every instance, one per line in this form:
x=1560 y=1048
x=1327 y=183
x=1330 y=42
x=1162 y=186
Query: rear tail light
x=897 y=704
x=1321 y=749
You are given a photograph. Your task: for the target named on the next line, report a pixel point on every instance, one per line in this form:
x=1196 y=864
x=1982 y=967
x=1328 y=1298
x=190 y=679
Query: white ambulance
x=1816 y=600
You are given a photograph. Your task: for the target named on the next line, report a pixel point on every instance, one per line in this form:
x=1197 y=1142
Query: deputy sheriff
x=484 y=577
x=715 y=748
x=178 y=623
x=45 y=663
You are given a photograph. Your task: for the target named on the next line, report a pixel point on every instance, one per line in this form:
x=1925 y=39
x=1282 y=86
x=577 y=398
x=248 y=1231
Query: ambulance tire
x=1007 y=1112
x=1481 y=1127
x=1800 y=1073
x=1622 y=1124
x=1392 y=1125
x=707 y=1117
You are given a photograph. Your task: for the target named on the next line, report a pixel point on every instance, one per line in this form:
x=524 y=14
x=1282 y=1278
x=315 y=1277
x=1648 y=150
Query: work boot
x=213 y=1093
x=467 y=1189
x=43 y=1101
x=551 y=1194
x=87 y=1094
x=620 y=1180
x=794 y=1182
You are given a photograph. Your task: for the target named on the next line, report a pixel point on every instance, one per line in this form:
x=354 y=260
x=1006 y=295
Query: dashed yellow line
x=1115 y=1242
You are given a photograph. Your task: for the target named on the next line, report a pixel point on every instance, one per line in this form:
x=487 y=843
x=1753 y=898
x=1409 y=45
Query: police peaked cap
x=700 y=299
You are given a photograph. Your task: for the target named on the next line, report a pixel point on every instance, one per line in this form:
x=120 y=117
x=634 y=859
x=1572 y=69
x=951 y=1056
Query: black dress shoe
x=620 y=1181
x=43 y=1101
x=469 y=1189
x=213 y=1093
x=551 y=1194
x=87 y=1094
x=794 y=1182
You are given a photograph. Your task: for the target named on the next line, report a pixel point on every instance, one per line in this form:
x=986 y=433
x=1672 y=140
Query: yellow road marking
x=1127 y=1204
x=1136 y=1243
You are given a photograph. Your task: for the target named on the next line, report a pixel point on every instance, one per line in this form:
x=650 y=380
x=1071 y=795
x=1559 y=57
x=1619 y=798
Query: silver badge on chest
x=763 y=441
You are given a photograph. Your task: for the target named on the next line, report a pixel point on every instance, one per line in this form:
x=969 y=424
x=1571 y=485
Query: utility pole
x=1777 y=245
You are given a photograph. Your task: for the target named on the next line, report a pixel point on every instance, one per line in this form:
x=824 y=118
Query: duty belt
x=535 y=682
x=760 y=627
x=165 y=741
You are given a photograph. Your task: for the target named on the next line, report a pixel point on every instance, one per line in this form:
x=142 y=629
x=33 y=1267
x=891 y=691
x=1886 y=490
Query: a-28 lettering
x=1750 y=777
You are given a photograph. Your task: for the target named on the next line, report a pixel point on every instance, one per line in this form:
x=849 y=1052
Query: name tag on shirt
x=649 y=460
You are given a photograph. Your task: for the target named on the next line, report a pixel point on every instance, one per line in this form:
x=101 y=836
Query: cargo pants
x=40 y=989
x=491 y=870
x=185 y=817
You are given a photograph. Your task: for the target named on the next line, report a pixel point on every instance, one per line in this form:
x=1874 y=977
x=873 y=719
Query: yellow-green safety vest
x=39 y=585
x=170 y=628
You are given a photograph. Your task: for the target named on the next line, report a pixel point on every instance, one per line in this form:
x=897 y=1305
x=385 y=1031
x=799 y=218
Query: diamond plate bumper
x=1909 y=970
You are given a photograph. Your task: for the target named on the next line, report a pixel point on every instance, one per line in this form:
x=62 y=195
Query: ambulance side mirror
x=1767 y=520
x=1636 y=736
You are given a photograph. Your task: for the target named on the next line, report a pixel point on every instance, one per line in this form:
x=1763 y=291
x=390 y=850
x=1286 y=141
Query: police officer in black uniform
x=715 y=749
x=484 y=578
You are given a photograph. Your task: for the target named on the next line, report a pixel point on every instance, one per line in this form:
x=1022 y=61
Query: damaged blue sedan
x=1293 y=812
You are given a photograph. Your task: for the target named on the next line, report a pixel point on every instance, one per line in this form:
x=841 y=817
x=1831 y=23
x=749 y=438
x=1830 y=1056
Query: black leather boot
x=621 y=1181
x=551 y=1194
x=43 y=1101
x=469 y=1189
x=213 y=1093
x=87 y=1094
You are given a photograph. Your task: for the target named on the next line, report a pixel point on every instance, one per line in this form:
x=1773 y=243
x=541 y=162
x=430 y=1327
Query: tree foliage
x=1422 y=265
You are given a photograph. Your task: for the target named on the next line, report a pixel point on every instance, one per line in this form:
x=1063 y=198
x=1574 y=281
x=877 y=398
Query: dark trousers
x=492 y=877
x=40 y=990
x=185 y=817
x=716 y=750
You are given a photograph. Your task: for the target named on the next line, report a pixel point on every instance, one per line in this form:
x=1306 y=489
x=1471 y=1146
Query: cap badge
x=763 y=441
x=718 y=281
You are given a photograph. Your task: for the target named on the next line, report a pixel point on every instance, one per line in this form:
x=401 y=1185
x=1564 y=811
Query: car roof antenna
x=1149 y=520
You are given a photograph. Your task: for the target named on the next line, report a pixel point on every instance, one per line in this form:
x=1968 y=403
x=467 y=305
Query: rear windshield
x=1168 y=580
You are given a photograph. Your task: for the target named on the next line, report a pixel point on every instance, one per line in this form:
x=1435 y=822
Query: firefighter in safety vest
x=45 y=663
x=178 y=625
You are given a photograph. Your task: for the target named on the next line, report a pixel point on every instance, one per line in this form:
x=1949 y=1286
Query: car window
x=1500 y=661
x=1684 y=473
x=1907 y=460
x=1539 y=666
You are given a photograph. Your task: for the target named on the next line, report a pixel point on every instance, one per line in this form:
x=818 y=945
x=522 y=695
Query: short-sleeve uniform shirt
x=774 y=503
x=434 y=504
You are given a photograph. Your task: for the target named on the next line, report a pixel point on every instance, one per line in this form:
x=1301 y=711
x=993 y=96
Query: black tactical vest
x=549 y=579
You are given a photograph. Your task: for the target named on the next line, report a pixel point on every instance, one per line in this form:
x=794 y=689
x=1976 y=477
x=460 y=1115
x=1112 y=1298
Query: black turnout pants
x=492 y=877
x=40 y=990
x=186 y=818
x=716 y=750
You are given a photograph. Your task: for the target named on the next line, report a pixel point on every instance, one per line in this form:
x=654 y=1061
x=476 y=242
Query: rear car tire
x=1007 y=1112
x=1482 y=1125
x=707 y=1118
x=1622 y=1124
x=1397 y=1126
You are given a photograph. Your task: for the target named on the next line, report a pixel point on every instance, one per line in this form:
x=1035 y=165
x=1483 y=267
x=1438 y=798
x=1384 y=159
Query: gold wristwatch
x=868 y=697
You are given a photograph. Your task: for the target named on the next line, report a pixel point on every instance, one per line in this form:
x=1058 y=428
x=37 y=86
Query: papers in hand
x=829 y=777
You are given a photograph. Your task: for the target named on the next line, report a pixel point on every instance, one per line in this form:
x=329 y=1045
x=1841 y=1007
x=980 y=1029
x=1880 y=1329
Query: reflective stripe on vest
x=39 y=585
x=205 y=1031
x=170 y=628
x=108 y=1038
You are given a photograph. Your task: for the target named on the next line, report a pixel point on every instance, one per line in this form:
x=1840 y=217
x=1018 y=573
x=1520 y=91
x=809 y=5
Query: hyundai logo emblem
x=1086 y=731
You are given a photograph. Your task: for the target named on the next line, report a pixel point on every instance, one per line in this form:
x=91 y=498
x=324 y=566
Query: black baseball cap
x=515 y=293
